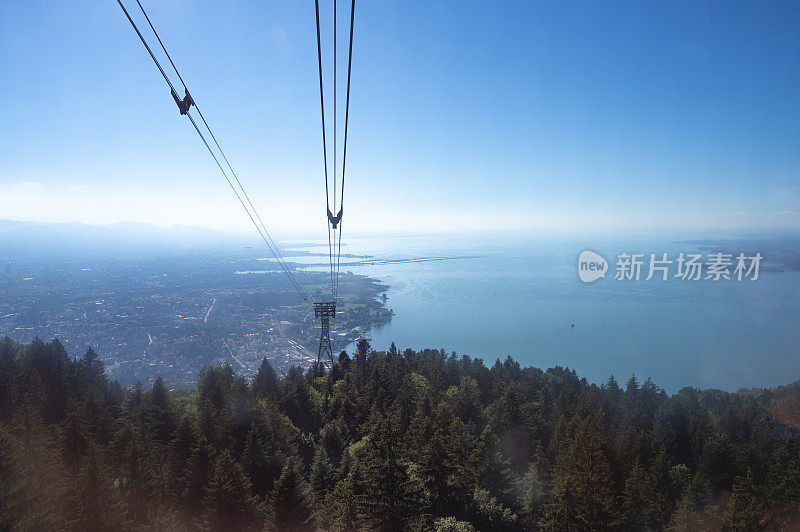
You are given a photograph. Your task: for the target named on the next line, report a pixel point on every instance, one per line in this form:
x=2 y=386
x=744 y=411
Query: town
x=167 y=315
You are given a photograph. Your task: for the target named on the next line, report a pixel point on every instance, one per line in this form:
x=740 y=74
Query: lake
x=490 y=297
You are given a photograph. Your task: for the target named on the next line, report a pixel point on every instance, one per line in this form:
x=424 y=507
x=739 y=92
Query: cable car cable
x=279 y=256
x=324 y=141
x=184 y=106
x=346 y=123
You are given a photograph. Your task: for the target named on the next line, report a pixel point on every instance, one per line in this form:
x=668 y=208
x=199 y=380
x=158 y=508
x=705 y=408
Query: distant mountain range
x=34 y=239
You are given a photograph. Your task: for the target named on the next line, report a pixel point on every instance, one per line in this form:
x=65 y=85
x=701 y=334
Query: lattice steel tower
x=325 y=311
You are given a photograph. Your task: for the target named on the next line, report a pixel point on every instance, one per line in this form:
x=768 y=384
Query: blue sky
x=493 y=115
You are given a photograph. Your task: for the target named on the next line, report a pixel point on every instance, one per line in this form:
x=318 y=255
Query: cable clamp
x=183 y=104
x=334 y=220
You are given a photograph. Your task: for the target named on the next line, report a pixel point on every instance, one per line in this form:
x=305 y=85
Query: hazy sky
x=494 y=115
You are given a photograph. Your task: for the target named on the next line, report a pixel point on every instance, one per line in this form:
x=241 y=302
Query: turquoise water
x=494 y=297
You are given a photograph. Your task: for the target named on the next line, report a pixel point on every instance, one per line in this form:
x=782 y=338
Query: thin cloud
x=278 y=37
x=29 y=185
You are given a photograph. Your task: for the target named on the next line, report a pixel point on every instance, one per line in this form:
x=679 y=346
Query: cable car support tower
x=324 y=312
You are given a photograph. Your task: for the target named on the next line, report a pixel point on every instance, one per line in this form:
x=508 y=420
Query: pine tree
x=289 y=498
x=638 y=509
x=91 y=372
x=265 y=382
x=33 y=478
x=746 y=506
x=321 y=479
x=95 y=502
x=391 y=495
x=159 y=412
x=183 y=441
x=584 y=489
x=347 y=498
x=228 y=502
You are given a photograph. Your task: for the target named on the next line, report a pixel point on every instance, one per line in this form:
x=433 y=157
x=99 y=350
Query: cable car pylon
x=324 y=311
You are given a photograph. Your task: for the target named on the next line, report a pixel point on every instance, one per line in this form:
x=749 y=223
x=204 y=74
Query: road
x=205 y=320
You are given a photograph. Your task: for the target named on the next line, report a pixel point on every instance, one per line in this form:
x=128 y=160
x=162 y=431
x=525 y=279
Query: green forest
x=387 y=441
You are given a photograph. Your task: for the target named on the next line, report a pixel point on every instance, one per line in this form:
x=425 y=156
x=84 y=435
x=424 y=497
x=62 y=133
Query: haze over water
x=492 y=297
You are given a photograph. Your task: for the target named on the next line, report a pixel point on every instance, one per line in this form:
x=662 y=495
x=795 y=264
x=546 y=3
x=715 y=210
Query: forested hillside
x=387 y=441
